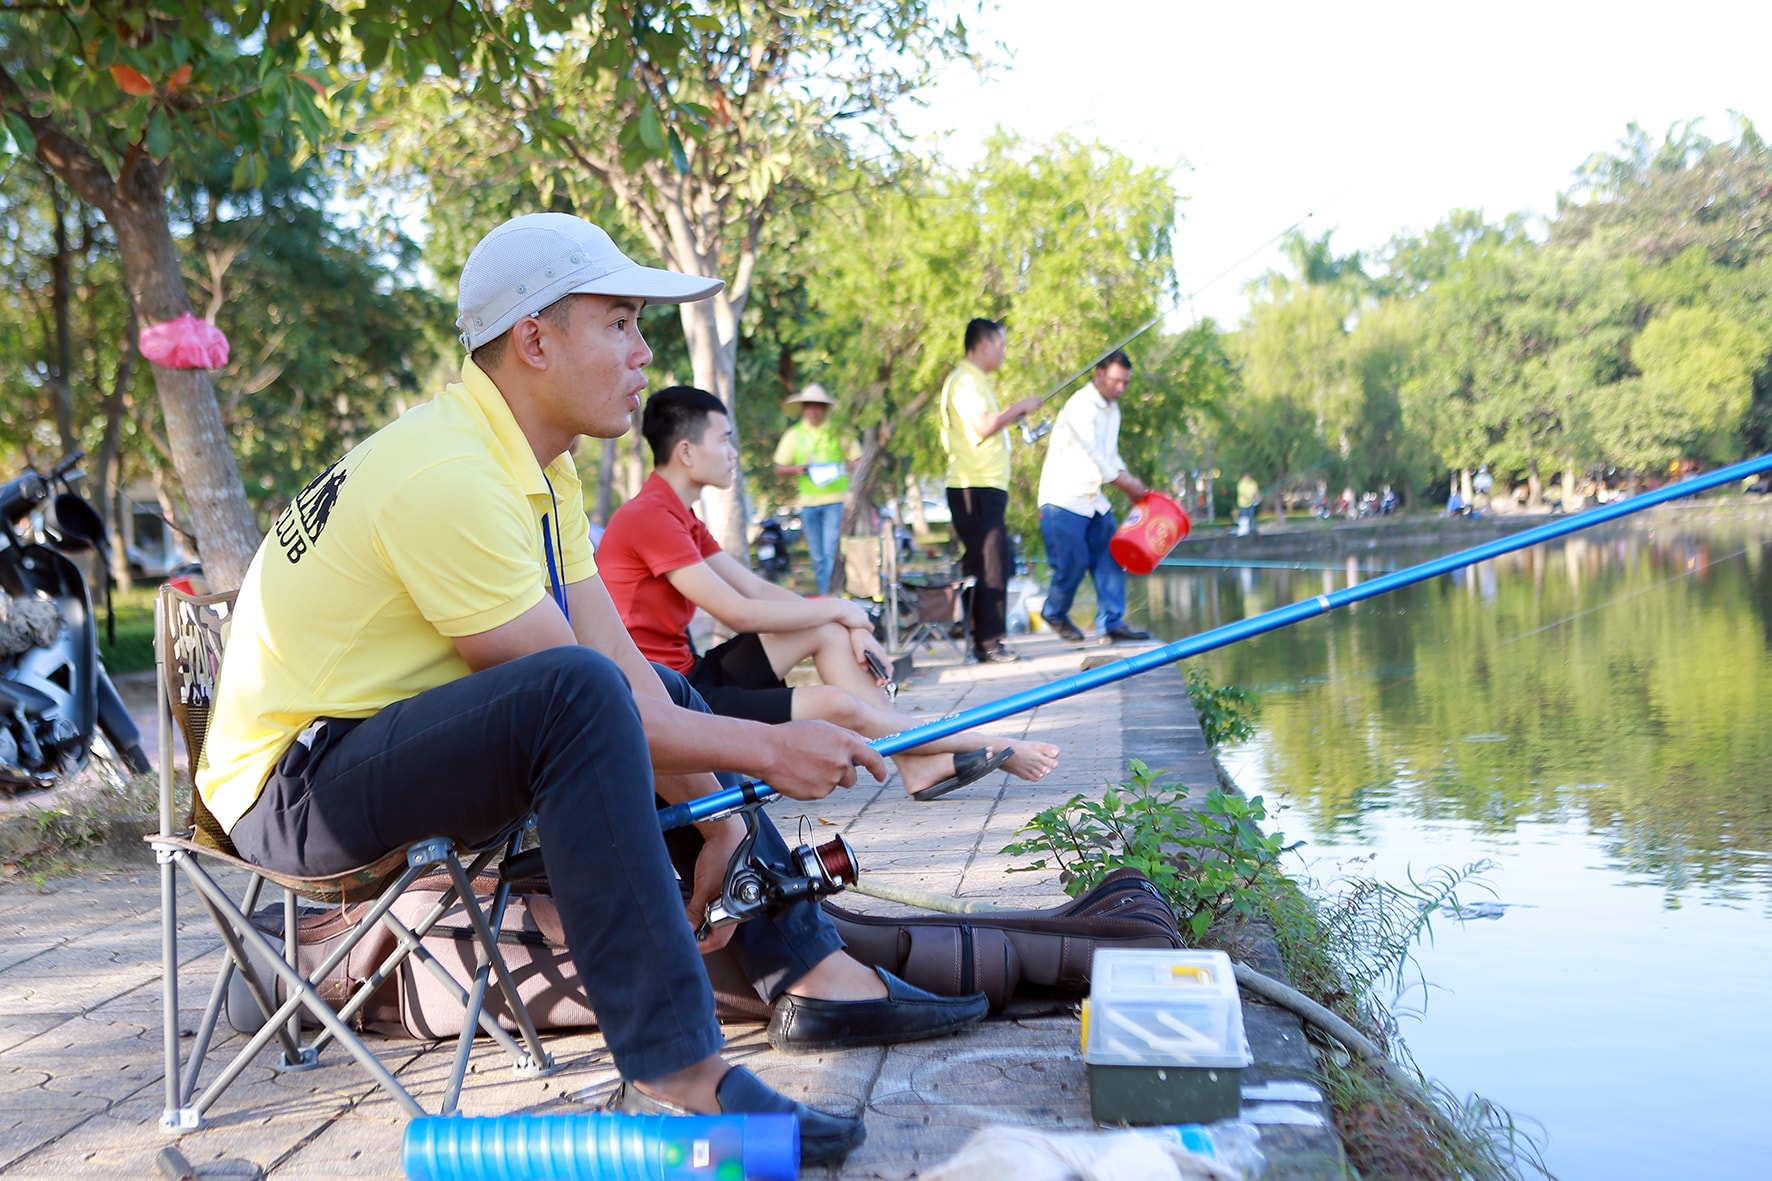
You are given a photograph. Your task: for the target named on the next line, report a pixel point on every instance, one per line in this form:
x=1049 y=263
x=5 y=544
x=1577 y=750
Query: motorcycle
x=58 y=706
x=772 y=549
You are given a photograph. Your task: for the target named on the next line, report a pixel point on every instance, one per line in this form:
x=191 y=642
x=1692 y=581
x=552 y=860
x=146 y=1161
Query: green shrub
x=1211 y=862
x=1227 y=712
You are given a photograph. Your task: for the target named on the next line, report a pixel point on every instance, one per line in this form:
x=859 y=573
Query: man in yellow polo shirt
x=977 y=444
x=422 y=648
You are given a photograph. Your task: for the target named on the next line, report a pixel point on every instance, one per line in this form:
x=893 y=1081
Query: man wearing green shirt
x=812 y=450
x=972 y=432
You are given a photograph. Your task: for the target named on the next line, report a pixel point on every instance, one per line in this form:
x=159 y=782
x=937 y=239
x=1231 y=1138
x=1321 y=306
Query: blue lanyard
x=556 y=579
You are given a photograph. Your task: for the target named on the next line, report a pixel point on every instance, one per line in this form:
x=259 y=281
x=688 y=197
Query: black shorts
x=737 y=681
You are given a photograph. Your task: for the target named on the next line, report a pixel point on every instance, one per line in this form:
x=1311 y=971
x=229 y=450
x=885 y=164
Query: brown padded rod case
x=993 y=951
x=948 y=954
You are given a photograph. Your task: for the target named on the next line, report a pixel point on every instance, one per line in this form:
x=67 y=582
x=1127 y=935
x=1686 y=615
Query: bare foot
x=1032 y=760
x=837 y=977
x=921 y=771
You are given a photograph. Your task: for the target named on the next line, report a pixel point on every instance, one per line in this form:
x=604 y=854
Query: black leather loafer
x=824 y=1139
x=804 y=1025
x=1126 y=635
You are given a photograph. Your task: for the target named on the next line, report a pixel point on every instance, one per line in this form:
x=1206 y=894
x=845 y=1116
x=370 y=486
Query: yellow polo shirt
x=429 y=529
x=972 y=462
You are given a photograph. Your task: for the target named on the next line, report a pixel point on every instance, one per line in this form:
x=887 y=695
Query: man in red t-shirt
x=660 y=563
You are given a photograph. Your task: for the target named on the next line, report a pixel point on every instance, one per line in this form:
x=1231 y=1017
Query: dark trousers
x=557 y=732
x=979 y=522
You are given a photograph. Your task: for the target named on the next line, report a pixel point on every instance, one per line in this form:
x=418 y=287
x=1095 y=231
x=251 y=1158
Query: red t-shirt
x=648 y=537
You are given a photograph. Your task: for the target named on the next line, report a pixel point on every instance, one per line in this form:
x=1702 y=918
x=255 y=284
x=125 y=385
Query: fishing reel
x=1033 y=434
x=755 y=888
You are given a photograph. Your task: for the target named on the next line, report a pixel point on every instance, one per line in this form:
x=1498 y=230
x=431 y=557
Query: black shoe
x=1067 y=631
x=824 y=1139
x=1125 y=635
x=998 y=654
x=802 y=1025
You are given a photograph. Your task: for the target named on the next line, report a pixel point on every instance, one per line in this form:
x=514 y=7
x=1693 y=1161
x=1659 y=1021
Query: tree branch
x=60 y=152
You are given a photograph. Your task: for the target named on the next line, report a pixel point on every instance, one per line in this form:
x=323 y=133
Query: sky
x=1369 y=119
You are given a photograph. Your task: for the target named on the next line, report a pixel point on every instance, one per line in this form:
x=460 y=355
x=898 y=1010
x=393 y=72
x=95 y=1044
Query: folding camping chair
x=941 y=611
x=188 y=642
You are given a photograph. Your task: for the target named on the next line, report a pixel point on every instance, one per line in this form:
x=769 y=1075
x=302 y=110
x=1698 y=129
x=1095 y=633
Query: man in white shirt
x=1076 y=518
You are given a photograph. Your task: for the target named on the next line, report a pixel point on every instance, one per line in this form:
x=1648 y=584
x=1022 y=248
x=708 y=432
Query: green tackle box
x=1163 y=1037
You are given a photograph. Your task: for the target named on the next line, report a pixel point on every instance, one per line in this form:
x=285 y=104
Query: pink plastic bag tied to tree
x=185 y=343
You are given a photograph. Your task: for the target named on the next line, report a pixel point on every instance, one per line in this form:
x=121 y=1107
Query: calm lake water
x=1591 y=717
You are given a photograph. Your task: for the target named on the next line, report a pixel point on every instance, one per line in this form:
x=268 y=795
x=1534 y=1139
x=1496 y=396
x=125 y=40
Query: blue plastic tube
x=723 y=803
x=603 y=1147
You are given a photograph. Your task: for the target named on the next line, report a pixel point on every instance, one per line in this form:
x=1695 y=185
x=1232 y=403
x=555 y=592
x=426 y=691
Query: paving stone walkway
x=80 y=1068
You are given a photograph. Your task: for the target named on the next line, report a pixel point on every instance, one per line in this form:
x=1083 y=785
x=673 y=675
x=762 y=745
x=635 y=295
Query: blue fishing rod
x=725 y=803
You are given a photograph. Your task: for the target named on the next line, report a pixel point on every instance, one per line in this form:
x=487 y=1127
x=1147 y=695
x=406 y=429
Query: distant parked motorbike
x=58 y=707
x=771 y=545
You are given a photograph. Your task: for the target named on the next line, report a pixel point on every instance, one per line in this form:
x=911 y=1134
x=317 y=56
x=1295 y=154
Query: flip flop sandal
x=969 y=767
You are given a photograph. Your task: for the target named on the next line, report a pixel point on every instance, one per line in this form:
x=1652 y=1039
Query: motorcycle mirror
x=78 y=523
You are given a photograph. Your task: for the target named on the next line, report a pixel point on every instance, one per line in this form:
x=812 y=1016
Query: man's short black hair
x=979 y=330
x=674 y=414
x=1117 y=357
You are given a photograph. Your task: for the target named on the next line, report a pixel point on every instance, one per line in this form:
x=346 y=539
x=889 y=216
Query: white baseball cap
x=530 y=261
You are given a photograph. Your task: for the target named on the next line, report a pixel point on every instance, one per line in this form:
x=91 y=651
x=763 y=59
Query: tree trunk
x=712 y=331
x=634 y=462
x=1534 y=485
x=606 y=461
x=214 y=494
x=913 y=496
x=134 y=204
x=863 y=476
x=109 y=467
x=1569 y=504
x=61 y=299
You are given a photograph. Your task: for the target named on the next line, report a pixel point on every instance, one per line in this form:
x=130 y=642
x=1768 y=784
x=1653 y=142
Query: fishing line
x=1620 y=599
x=1556 y=623
x=1171 y=306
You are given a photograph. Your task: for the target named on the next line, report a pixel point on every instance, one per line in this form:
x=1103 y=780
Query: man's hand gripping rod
x=752 y=795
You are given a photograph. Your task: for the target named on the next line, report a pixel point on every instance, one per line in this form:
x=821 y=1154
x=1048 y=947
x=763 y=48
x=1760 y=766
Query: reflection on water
x=1591 y=715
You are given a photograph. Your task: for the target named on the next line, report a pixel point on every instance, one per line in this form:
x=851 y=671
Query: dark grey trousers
x=558 y=733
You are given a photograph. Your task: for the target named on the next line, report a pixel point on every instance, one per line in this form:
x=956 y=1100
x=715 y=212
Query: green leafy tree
x=1300 y=400
x=1068 y=242
x=1655 y=200
x=1385 y=447
x=703 y=124
x=120 y=97
x=110 y=97
x=67 y=353
x=1700 y=364
x=330 y=337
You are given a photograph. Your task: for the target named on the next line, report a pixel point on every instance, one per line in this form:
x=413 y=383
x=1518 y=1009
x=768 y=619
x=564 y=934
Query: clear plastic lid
x=1164 y=1008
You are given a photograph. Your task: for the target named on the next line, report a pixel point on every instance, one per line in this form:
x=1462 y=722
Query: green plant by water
x=1227 y=712
x=1210 y=862
x=1348 y=943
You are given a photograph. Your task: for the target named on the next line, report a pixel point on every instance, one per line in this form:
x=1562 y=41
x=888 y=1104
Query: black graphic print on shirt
x=299 y=526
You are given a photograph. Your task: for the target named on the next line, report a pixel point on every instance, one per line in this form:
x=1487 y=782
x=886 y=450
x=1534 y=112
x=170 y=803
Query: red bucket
x=1147 y=535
